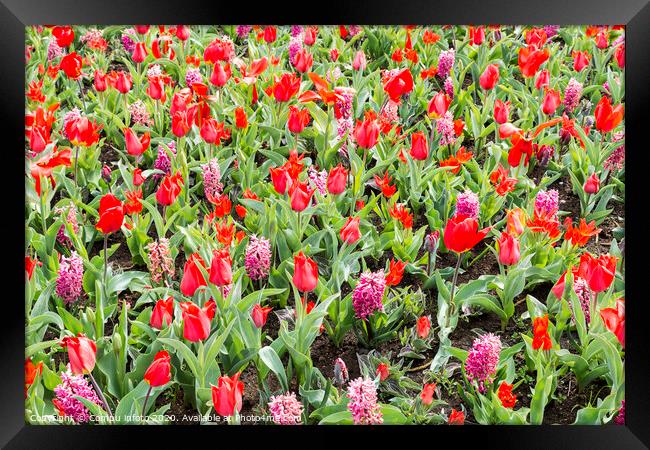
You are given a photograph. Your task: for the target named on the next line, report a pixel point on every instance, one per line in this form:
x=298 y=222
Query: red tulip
x=580 y=60
x=196 y=321
x=383 y=371
x=139 y=53
x=163 y=312
x=286 y=87
x=359 y=62
x=543 y=79
x=136 y=146
x=159 y=372
x=607 y=118
x=280 y=178
x=423 y=327
x=298 y=119
x=71 y=65
x=300 y=195
x=82 y=353
x=99 y=81
x=220 y=74
x=133 y=203
x=31 y=371
x=476 y=35
x=541 y=338
x=456 y=417
x=192 y=276
x=259 y=315
x=592 y=185
x=182 y=121
x=123 y=82
x=462 y=233
x=305 y=273
x=219 y=50
x=427 y=393
x=395 y=272
x=350 y=231
x=303 y=60
x=169 y=189
x=111 y=214
x=182 y=32
x=337 y=180
x=82 y=132
x=530 y=58
x=241 y=121
x=551 y=101
x=598 y=272
x=602 y=40
x=30 y=265
x=366 y=133
x=501 y=111
x=270 y=34
x=64 y=35
x=614 y=319
x=508 y=249
x=508 y=399
x=221 y=268
x=138 y=179
x=439 y=105
x=310 y=35
x=419 y=146
x=490 y=77
x=619 y=54
x=399 y=84
x=227 y=396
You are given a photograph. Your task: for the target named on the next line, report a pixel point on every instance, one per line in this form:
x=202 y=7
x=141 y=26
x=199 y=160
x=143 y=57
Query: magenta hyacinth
x=368 y=293
x=363 y=402
x=68 y=406
x=446 y=62
x=286 y=409
x=581 y=289
x=572 y=94
x=318 y=179
x=258 y=257
x=243 y=30
x=449 y=87
x=212 y=178
x=482 y=359
x=620 y=417
x=69 y=282
x=547 y=201
x=128 y=40
x=193 y=76
x=467 y=204
x=53 y=50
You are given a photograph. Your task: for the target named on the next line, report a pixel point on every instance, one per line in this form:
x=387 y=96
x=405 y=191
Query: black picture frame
x=16 y=14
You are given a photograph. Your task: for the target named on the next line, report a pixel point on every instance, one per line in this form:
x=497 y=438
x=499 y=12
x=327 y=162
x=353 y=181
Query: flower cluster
x=363 y=402
x=258 y=257
x=286 y=409
x=482 y=359
x=66 y=403
x=368 y=293
x=70 y=278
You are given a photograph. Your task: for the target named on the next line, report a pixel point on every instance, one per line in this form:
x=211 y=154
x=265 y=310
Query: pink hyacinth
x=318 y=179
x=71 y=218
x=160 y=260
x=449 y=87
x=53 y=50
x=163 y=161
x=620 y=417
x=295 y=45
x=286 y=409
x=128 y=40
x=482 y=359
x=212 y=179
x=446 y=62
x=616 y=161
x=154 y=70
x=581 y=289
x=243 y=30
x=139 y=114
x=368 y=293
x=445 y=128
x=193 y=76
x=572 y=94
x=547 y=201
x=69 y=282
x=354 y=30
x=258 y=257
x=467 y=204
x=68 y=406
x=551 y=30
x=363 y=402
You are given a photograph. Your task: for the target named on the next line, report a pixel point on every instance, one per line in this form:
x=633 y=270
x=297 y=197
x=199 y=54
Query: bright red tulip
x=135 y=145
x=423 y=327
x=220 y=74
x=82 y=353
x=607 y=117
x=366 y=133
x=270 y=34
x=259 y=314
x=614 y=319
x=551 y=101
x=31 y=371
x=580 y=60
x=300 y=195
x=196 y=321
x=241 y=121
x=456 y=417
x=619 y=54
x=227 y=395
x=501 y=111
x=543 y=79
x=530 y=58
x=99 y=81
x=303 y=60
x=221 y=268
x=169 y=189
x=337 y=180
x=439 y=105
x=163 y=313
x=508 y=399
x=71 y=65
x=123 y=82
x=279 y=178
x=192 y=276
x=82 y=132
x=159 y=372
x=286 y=87
x=541 y=338
x=350 y=231
x=427 y=393
x=490 y=77
x=182 y=32
x=598 y=272
x=139 y=53
x=399 y=84
x=592 y=185
x=462 y=233
x=395 y=272
x=298 y=119
x=508 y=249
x=476 y=35
x=219 y=50
x=305 y=273
x=419 y=146
x=111 y=214
x=64 y=35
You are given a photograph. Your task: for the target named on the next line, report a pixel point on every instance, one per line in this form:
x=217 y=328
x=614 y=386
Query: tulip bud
x=106 y=173
x=117 y=343
x=340 y=372
x=431 y=241
x=544 y=154
x=592 y=184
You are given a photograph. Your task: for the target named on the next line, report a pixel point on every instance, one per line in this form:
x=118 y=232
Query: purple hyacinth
x=69 y=282
x=286 y=409
x=620 y=417
x=547 y=201
x=193 y=76
x=318 y=179
x=551 y=30
x=163 y=161
x=243 y=30
x=295 y=45
x=446 y=62
x=296 y=30
x=71 y=386
x=128 y=40
x=368 y=293
x=71 y=218
x=572 y=94
x=467 y=204
x=258 y=257
x=363 y=402
x=482 y=359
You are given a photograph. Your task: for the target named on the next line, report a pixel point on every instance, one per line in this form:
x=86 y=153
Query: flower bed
x=325 y=225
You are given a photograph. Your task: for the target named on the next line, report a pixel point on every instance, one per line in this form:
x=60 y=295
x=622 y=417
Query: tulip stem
x=81 y=91
x=453 y=286
x=146 y=399
x=101 y=394
x=105 y=257
x=76 y=163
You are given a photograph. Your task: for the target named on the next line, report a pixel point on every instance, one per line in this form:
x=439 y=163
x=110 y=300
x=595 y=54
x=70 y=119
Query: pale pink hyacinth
x=446 y=62
x=445 y=129
x=128 y=40
x=71 y=386
x=368 y=293
x=318 y=179
x=582 y=291
x=92 y=35
x=258 y=257
x=160 y=260
x=390 y=112
x=363 y=402
x=193 y=76
x=53 y=50
x=353 y=30
x=547 y=201
x=286 y=409
x=139 y=114
x=572 y=94
x=212 y=179
x=482 y=360
x=69 y=281
x=467 y=204
x=344 y=120
x=616 y=161
x=154 y=70
x=333 y=74
x=71 y=218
